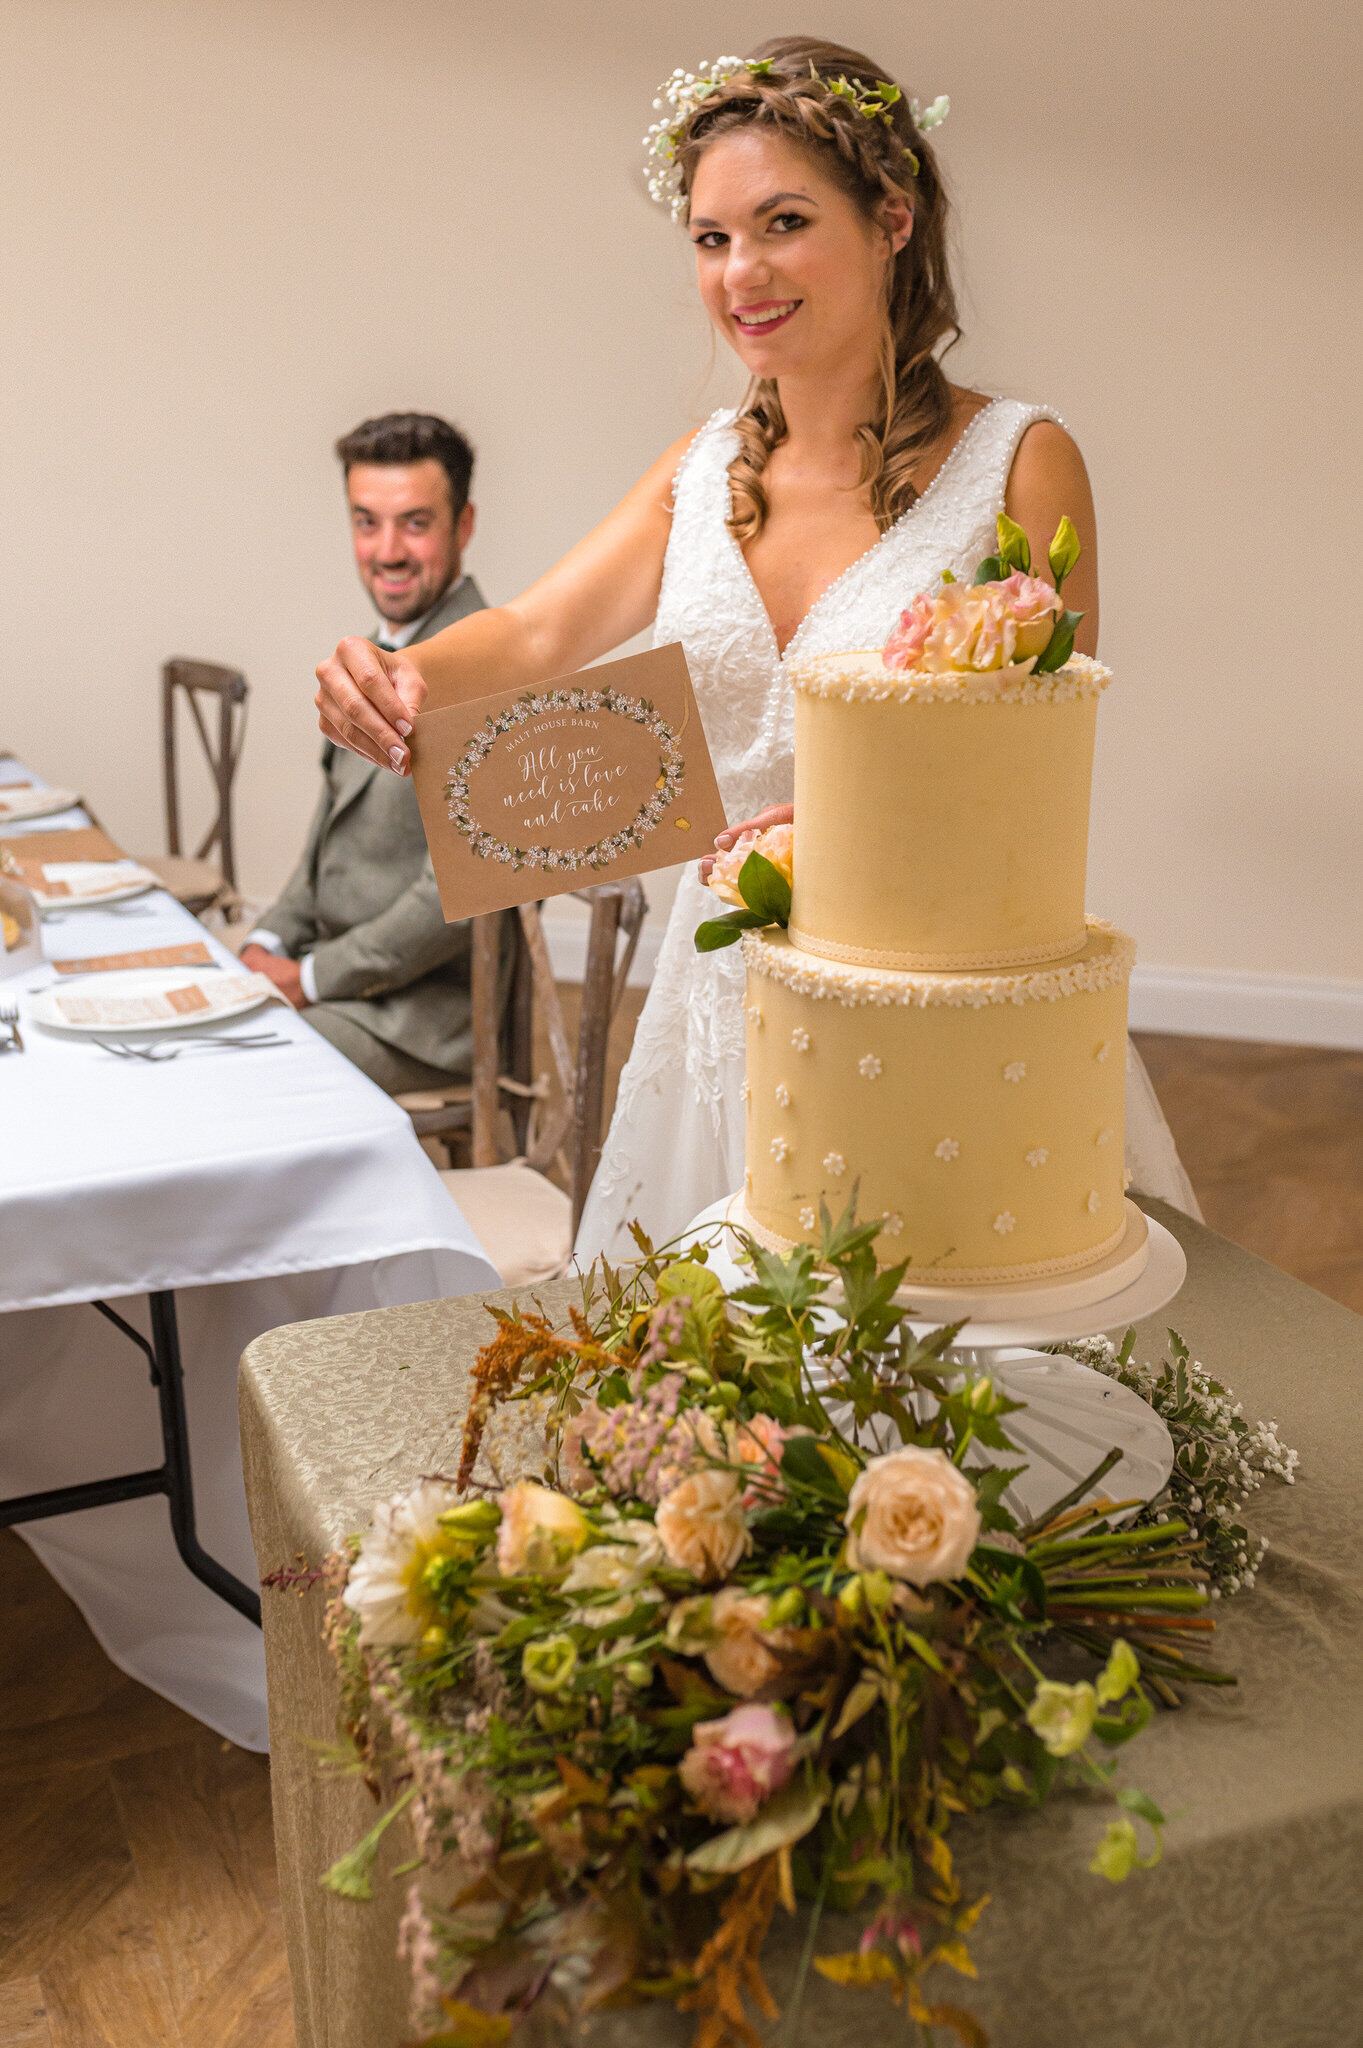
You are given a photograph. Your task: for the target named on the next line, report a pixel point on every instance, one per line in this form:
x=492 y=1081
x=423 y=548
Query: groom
x=358 y=940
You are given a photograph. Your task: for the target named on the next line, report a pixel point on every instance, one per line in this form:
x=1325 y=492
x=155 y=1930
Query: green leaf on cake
x=1060 y=646
x=1015 y=550
x=764 y=889
x=1064 y=551
x=726 y=930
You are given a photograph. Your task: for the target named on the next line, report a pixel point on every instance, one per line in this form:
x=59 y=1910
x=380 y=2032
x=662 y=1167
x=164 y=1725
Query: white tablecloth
x=265 y=1187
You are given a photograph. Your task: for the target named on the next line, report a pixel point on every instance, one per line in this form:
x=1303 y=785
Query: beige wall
x=232 y=229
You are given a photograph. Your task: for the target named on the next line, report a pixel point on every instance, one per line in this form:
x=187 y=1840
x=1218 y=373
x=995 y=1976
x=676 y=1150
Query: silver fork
x=9 y=1017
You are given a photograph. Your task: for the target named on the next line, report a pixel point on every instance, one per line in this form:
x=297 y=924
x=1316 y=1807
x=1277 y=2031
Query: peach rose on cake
x=776 y=844
x=913 y=1515
x=975 y=628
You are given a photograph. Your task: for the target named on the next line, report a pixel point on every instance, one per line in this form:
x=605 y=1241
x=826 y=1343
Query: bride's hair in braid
x=872 y=160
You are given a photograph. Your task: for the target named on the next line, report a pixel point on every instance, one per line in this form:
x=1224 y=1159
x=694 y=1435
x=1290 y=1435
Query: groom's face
x=408 y=542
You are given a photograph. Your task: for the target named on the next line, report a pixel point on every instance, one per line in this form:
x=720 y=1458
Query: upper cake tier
x=942 y=819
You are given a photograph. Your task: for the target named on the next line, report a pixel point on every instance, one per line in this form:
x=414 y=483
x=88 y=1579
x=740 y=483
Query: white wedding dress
x=676 y=1140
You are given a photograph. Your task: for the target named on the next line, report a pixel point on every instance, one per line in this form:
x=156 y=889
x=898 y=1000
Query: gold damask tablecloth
x=1250 y=1932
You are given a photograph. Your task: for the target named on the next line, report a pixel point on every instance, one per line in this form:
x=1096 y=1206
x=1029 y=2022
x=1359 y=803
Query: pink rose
x=776 y=844
x=1033 y=608
x=735 y=1764
x=975 y=628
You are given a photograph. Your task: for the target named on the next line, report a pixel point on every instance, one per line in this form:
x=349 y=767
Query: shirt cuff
x=307 y=976
x=271 y=941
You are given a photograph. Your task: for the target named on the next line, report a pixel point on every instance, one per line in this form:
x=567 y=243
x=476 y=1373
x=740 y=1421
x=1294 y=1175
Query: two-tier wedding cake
x=941 y=1027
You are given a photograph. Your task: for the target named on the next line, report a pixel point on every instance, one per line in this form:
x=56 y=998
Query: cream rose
x=701 y=1524
x=743 y=1653
x=541 y=1530
x=913 y=1515
x=776 y=844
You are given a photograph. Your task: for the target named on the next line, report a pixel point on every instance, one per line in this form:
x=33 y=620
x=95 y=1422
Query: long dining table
x=155 y=1218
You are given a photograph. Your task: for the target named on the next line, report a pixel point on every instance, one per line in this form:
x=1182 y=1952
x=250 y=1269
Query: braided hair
x=871 y=160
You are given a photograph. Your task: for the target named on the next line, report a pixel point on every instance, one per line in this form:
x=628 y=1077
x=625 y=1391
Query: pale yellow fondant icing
x=945 y=1141
x=941 y=827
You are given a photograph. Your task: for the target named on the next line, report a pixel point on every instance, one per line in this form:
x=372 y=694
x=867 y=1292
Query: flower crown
x=685 y=91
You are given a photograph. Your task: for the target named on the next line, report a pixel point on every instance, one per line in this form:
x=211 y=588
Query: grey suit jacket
x=363 y=902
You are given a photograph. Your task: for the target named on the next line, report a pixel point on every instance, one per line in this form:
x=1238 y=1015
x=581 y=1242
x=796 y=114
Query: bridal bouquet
x=757 y=1631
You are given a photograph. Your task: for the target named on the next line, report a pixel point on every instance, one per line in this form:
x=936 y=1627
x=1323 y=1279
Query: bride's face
x=790 y=269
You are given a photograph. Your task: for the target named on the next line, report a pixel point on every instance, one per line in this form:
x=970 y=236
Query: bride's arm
x=602 y=592
x=1048 y=480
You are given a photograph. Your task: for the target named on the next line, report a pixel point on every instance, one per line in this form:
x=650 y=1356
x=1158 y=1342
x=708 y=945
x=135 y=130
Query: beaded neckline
x=949 y=462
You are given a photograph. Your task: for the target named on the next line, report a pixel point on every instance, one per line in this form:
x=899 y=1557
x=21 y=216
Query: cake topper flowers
x=685 y=91
x=1008 y=618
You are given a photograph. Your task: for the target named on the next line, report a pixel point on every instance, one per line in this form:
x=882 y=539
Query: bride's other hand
x=725 y=841
x=368 y=700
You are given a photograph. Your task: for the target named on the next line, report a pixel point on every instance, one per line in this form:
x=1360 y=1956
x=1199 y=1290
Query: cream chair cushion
x=523 y=1222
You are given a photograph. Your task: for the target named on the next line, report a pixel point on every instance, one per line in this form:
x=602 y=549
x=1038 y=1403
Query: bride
x=851 y=476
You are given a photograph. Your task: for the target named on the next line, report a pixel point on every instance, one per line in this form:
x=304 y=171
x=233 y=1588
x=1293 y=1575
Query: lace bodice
x=710 y=603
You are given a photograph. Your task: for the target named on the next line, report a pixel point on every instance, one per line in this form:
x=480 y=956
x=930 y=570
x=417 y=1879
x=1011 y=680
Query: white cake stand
x=1073 y=1415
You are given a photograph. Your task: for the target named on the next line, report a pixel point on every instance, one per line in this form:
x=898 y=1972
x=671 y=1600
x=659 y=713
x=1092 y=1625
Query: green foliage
x=559 y=1709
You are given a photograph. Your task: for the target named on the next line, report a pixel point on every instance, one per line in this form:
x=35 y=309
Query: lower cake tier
x=981 y=1115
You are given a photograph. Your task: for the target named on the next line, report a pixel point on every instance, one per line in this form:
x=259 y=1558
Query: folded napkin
x=164 y=1005
x=75 y=881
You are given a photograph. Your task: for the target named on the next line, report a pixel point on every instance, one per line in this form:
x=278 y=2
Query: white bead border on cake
x=1081 y=676
x=935 y=963
x=774 y=956
x=946 y=1276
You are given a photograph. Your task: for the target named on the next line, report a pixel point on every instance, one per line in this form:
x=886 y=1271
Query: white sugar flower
x=807 y=1218
x=893 y=1225
x=1004 y=1222
x=947 y=1148
x=782 y=1095
x=834 y=1164
x=1095 y=1202
x=799 y=1038
x=869 y=1067
x=1016 y=1070
x=1104 y=1136
x=755 y=1016
x=1102 y=1051
x=780 y=1149
x=745 y=1092
x=1037 y=1156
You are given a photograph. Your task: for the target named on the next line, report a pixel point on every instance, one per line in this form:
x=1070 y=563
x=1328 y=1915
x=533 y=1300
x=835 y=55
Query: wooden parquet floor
x=138 y=1903
x=137 y=1889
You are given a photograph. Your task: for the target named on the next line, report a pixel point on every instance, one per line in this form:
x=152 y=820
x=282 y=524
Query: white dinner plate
x=94 y=899
x=229 y=995
x=17 y=803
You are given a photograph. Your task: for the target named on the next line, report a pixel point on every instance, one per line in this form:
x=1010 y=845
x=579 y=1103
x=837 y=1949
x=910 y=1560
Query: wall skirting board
x=1203 y=1002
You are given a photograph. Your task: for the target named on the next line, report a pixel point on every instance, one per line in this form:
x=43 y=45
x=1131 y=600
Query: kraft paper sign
x=587 y=779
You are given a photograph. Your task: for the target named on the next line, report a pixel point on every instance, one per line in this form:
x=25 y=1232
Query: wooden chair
x=194 y=880
x=524 y=1221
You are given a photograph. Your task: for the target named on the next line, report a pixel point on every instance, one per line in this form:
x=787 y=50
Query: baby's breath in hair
x=686 y=91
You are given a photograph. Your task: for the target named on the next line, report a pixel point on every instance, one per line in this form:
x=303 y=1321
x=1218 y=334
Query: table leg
x=174 y=1478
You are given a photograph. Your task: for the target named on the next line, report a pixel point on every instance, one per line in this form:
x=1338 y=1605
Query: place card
x=195 y=954
x=81 y=842
x=590 y=778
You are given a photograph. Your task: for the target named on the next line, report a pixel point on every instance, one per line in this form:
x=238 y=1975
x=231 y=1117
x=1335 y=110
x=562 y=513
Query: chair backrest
x=195 y=680
x=573 y=1125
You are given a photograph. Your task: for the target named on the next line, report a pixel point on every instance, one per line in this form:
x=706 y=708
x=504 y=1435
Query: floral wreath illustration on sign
x=665 y=791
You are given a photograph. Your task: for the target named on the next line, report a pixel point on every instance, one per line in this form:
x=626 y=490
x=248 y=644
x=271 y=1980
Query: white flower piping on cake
x=1016 y=1070
x=869 y=1067
x=1036 y=1157
x=949 y=1148
x=834 y=1164
x=799 y=1039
